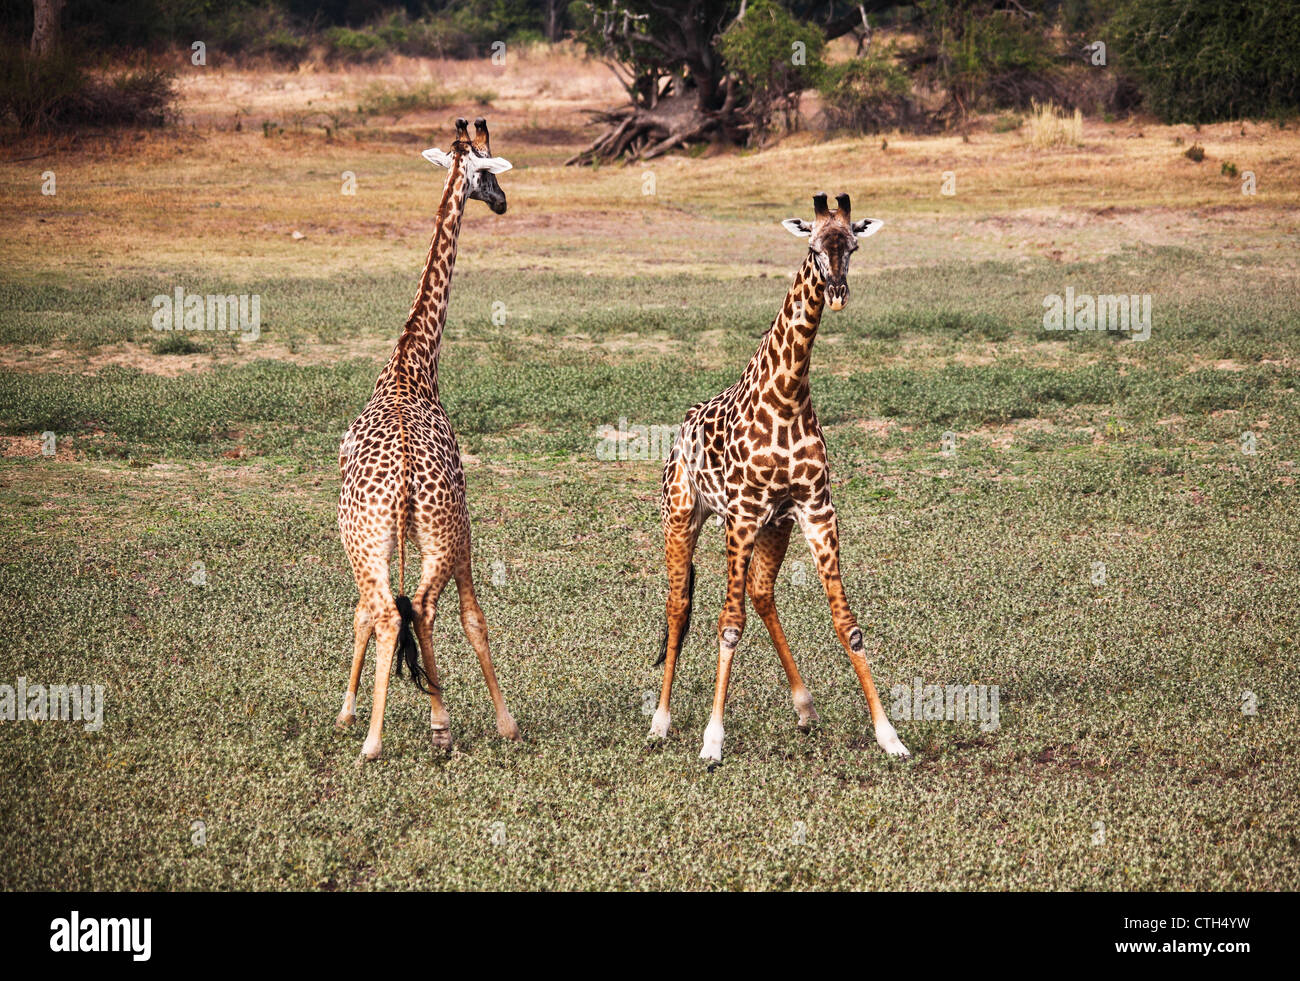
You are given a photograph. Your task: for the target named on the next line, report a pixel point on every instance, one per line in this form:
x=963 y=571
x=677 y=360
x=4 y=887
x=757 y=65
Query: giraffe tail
x=686 y=623
x=407 y=649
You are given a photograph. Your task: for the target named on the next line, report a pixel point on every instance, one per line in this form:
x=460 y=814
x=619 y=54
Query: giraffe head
x=833 y=237
x=481 y=167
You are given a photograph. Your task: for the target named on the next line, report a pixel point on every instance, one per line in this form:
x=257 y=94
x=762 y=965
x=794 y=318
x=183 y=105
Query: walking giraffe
x=402 y=476
x=755 y=456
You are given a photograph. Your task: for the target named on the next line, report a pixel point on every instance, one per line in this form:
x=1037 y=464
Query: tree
x=1200 y=60
x=680 y=87
x=45 y=27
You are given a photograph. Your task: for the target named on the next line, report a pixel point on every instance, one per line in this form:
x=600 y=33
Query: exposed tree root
x=636 y=133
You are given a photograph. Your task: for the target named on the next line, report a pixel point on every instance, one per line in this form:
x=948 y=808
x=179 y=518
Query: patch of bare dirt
x=141 y=358
x=33 y=447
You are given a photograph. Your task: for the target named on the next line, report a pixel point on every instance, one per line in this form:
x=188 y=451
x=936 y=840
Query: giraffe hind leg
x=769 y=552
x=362 y=627
x=433 y=578
x=682 y=521
x=376 y=593
x=475 y=627
x=685 y=627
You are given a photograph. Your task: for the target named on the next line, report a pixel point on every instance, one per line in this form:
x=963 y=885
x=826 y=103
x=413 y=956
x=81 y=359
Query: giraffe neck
x=424 y=324
x=779 y=369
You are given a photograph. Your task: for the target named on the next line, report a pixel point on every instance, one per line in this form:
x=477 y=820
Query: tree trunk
x=552 y=20
x=45 y=27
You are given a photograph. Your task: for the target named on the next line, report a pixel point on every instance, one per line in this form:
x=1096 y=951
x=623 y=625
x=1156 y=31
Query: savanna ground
x=1148 y=722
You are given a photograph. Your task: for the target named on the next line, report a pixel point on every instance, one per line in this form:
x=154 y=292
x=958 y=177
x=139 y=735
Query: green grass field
x=1147 y=734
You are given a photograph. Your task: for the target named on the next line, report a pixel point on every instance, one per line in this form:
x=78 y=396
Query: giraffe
x=402 y=477
x=755 y=456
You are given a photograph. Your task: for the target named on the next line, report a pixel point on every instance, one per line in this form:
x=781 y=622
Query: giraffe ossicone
x=754 y=456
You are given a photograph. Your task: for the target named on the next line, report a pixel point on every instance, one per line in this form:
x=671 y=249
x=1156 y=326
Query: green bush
x=432 y=36
x=1199 y=61
x=380 y=99
x=348 y=44
x=775 y=57
x=868 y=95
x=985 y=56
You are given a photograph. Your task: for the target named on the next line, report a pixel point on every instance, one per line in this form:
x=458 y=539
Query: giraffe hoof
x=370 y=750
x=441 y=737
x=506 y=727
x=712 y=748
x=659 y=725
x=803 y=705
x=889 y=741
x=348 y=713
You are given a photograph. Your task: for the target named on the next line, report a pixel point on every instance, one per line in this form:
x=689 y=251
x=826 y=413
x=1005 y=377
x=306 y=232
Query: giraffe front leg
x=820 y=529
x=731 y=625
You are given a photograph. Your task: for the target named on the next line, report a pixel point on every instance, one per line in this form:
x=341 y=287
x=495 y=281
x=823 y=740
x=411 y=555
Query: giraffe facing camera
x=833 y=237
x=754 y=455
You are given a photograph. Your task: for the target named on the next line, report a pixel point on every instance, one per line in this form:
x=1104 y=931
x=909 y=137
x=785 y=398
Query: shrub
x=868 y=95
x=35 y=93
x=761 y=49
x=246 y=29
x=48 y=93
x=347 y=44
x=378 y=99
x=986 y=56
x=1199 y=61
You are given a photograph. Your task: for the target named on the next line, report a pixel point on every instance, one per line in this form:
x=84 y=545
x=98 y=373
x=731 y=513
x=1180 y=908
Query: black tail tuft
x=686 y=624
x=407 y=650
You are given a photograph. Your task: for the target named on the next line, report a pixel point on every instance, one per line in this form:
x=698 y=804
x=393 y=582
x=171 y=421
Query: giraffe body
x=402 y=478
x=754 y=455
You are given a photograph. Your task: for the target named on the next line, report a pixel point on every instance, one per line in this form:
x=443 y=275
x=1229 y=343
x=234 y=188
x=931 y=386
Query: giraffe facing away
x=402 y=478
x=754 y=455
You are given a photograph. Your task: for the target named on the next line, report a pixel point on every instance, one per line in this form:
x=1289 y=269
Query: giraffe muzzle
x=837 y=294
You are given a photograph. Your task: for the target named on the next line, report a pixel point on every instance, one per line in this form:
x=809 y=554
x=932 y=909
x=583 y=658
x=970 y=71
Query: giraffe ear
x=867 y=226
x=436 y=156
x=493 y=165
x=797 y=227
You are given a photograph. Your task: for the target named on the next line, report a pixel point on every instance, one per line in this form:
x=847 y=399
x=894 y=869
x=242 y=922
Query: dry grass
x=1049 y=126
x=1120 y=704
x=218 y=191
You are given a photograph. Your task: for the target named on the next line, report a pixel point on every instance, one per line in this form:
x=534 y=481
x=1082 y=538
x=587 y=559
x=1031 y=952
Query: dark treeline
x=718 y=70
